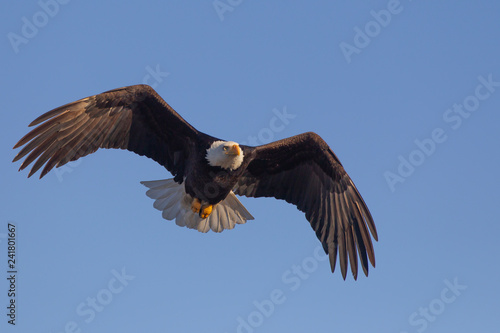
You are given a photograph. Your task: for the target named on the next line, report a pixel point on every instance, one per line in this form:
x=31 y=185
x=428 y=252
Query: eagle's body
x=207 y=171
x=210 y=183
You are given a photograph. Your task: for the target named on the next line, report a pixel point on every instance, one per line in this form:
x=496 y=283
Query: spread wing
x=135 y=118
x=304 y=171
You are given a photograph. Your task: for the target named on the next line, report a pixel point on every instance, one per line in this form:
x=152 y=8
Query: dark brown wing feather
x=134 y=118
x=304 y=171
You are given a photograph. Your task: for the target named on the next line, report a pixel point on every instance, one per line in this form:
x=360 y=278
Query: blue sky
x=405 y=92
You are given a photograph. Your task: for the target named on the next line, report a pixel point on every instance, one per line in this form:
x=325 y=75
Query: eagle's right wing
x=135 y=118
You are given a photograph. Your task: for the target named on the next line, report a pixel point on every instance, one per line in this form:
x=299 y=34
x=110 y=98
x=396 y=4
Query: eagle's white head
x=225 y=154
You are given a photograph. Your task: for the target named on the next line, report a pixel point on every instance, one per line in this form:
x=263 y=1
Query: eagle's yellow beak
x=234 y=150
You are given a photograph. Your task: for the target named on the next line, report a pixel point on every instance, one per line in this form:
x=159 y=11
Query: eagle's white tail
x=172 y=199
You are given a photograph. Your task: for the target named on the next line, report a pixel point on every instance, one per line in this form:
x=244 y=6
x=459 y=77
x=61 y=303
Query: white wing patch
x=172 y=199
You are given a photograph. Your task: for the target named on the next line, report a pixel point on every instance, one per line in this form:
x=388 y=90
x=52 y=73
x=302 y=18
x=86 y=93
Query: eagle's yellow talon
x=206 y=211
x=196 y=205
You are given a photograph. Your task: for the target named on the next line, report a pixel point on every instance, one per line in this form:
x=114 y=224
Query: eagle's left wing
x=304 y=171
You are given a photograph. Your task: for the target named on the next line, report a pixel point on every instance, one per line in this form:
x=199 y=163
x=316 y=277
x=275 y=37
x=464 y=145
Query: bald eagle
x=207 y=171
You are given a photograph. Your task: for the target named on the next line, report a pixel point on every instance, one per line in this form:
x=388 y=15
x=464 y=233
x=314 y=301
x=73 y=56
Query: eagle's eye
x=226 y=148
